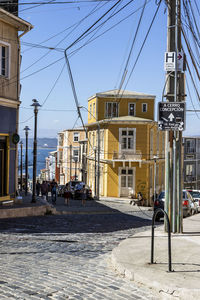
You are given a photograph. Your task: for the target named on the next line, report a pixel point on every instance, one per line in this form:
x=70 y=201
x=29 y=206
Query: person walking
x=67 y=194
x=43 y=189
x=83 y=195
x=38 y=188
x=53 y=191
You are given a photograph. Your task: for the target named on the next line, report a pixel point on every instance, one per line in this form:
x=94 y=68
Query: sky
x=96 y=67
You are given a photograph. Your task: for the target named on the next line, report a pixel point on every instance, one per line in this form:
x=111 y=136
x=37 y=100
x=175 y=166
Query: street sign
x=170 y=61
x=171 y=116
x=169 y=64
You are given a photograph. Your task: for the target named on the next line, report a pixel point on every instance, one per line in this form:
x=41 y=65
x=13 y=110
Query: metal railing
x=169 y=238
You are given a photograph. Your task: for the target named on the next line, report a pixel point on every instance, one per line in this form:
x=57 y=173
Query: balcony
x=127 y=155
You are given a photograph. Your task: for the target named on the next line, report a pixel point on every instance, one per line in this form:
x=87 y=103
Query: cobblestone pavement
x=68 y=256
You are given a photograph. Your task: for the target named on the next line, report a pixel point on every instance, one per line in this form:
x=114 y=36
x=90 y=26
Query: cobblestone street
x=68 y=256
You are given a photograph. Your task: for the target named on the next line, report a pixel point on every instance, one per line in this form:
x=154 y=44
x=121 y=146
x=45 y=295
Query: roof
x=15 y=21
x=122 y=94
x=123 y=119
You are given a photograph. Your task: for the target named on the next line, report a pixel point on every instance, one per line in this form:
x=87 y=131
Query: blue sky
x=96 y=67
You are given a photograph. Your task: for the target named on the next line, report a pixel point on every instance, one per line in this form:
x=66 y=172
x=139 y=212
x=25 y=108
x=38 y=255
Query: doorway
x=127 y=181
x=3 y=172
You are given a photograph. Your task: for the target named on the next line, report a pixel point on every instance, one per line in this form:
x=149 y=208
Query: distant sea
x=42 y=153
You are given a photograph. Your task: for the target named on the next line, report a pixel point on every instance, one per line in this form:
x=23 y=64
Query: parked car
x=160 y=203
x=189 y=205
x=196 y=196
x=78 y=191
x=76 y=187
x=60 y=190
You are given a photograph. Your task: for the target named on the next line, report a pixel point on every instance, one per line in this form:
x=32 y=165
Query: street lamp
x=26 y=128
x=75 y=158
x=21 y=166
x=35 y=105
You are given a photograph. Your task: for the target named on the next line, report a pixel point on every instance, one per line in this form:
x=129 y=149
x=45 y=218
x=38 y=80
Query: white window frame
x=134 y=104
x=76 y=135
x=8 y=57
x=146 y=105
x=73 y=155
x=106 y=110
x=120 y=139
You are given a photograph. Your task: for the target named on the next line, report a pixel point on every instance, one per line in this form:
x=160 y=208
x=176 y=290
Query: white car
x=196 y=196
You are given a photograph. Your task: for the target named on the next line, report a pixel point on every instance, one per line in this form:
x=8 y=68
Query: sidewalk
x=132 y=257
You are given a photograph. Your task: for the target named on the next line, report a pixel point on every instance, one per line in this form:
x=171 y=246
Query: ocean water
x=42 y=153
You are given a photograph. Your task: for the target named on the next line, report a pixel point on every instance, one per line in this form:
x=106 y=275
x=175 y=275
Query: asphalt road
x=68 y=256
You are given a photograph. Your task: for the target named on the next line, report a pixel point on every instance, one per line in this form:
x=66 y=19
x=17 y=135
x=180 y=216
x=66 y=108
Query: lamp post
x=21 y=166
x=75 y=160
x=35 y=105
x=26 y=128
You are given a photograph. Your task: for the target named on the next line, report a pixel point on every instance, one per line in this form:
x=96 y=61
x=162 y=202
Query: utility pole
x=175 y=93
x=26 y=128
x=95 y=171
x=21 y=167
x=70 y=162
x=35 y=105
x=98 y=163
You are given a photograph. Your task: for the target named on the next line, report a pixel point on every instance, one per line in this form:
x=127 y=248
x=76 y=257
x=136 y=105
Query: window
x=144 y=107
x=76 y=155
x=111 y=109
x=93 y=110
x=76 y=136
x=4 y=60
x=131 y=109
x=127 y=138
x=90 y=112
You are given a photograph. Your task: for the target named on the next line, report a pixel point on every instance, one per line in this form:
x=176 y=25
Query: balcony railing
x=136 y=155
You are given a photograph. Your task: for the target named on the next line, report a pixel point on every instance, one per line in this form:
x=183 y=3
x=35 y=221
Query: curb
x=27 y=211
x=150 y=276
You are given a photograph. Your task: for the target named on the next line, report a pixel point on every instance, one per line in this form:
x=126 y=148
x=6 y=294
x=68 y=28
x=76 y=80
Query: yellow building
x=131 y=147
x=12 y=28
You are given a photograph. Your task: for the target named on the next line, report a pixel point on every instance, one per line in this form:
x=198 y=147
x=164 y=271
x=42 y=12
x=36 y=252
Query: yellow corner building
x=131 y=149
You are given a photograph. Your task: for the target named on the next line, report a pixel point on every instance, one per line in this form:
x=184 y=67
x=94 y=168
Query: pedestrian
x=83 y=195
x=47 y=190
x=67 y=194
x=38 y=188
x=53 y=191
x=43 y=189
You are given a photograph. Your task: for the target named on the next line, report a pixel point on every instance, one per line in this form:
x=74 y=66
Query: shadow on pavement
x=95 y=217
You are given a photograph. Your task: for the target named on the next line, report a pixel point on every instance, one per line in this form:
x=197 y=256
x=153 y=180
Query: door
x=2 y=166
x=127 y=181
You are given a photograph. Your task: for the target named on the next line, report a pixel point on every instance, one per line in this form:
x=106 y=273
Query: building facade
x=191 y=166
x=11 y=29
x=69 y=154
x=130 y=146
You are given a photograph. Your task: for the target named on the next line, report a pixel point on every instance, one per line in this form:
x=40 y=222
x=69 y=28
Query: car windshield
x=195 y=194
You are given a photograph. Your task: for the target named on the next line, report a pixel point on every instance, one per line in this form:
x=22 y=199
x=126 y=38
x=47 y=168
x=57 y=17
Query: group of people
x=45 y=187
x=68 y=194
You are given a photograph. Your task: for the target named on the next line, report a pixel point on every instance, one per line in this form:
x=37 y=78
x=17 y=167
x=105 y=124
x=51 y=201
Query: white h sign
x=169 y=64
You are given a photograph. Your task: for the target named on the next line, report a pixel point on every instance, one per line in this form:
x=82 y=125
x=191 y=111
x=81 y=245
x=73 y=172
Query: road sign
x=171 y=116
x=170 y=61
x=169 y=64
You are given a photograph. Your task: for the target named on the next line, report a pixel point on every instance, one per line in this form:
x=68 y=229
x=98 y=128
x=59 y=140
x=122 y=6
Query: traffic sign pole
x=172 y=122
